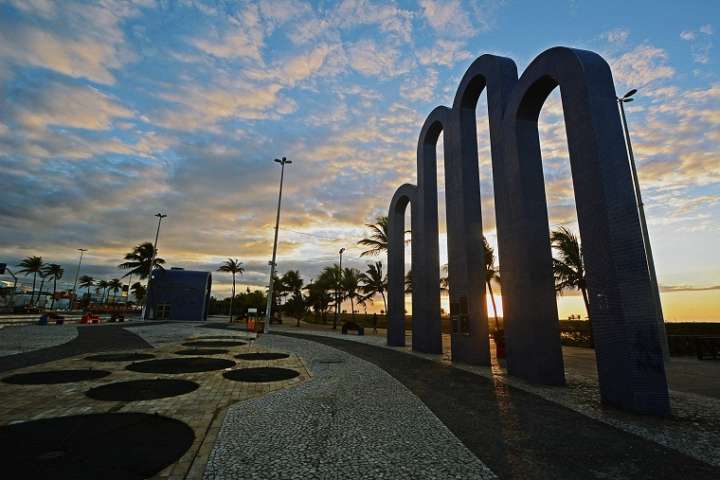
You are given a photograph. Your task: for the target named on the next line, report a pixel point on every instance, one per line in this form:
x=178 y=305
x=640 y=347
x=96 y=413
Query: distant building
x=178 y=294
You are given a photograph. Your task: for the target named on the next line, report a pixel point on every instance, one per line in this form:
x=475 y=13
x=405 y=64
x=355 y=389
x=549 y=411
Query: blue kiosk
x=178 y=294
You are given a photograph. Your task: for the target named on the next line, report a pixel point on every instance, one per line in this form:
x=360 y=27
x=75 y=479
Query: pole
x=337 y=288
x=77 y=273
x=152 y=263
x=268 y=309
x=646 y=240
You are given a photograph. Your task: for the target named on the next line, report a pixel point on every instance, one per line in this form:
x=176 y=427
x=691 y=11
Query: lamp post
x=337 y=300
x=77 y=273
x=643 y=227
x=152 y=263
x=268 y=309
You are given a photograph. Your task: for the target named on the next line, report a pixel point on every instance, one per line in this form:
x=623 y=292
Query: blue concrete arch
x=403 y=196
x=629 y=357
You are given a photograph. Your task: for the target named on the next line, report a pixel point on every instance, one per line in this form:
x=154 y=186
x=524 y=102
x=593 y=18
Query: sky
x=112 y=111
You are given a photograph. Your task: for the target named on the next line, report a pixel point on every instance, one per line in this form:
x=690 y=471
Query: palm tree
x=372 y=282
x=292 y=281
x=351 y=285
x=101 y=285
x=32 y=265
x=43 y=277
x=491 y=273
x=55 y=272
x=332 y=276
x=232 y=265
x=138 y=261
x=408 y=282
x=569 y=267
x=114 y=285
x=87 y=281
x=139 y=290
x=377 y=242
x=319 y=296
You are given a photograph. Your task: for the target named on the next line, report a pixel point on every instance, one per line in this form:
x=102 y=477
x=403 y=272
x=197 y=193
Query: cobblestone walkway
x=350 y=421
x=201 y=409
x=521 y=435
x=19 y=339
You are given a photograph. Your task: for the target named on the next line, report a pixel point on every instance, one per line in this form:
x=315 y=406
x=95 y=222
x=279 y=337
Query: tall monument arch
x=630 y=365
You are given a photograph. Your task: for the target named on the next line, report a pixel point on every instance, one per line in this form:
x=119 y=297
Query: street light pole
x=643 y=227
x=337 y=288
x=268 y=309
x=77 y=273
x=152 y=262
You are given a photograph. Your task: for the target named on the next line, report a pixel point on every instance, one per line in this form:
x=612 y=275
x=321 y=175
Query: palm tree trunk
x=492 y=299
x=382 y=294
x=352 y=306
x=587 y=310
x=32 y=294
x=42 y=284
x=52 y=304
x=232 y=299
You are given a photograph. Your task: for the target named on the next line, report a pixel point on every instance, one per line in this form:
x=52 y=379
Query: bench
x=352 y=326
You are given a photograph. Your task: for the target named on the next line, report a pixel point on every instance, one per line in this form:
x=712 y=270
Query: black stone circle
x=262 y=356
x=214 y=343
x=111 y=446
x=181 y=365
x=136 y=390
x=120 y=357
x=201 y=351
x=50 y=377
x=261 y=374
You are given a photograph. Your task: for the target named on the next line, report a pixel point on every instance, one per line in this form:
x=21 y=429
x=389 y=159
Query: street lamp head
x=626 y=100
x=342 y=250
x=160 y=215
x=630 y=93
x=283 y=161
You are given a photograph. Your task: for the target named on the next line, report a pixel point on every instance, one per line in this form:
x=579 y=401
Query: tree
x=232 y=265
x=332 y=276
x=101 y=286
x=319 y=296
x=296 y=306
x=491 y=273
x=114 y=285
x=569 y=267
x=138 y=261
x=31 y=265
x=372 y=282
x=55 y=272
x=87 y=281
x=351 y=285
x=377 y=242
x=139 y=290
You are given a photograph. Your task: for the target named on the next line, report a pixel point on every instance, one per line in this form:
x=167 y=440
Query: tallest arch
x=631 y=370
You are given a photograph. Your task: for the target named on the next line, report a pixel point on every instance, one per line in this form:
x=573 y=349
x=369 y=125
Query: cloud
x=641 y=66
x=369 y=59
x=57 y=104
x=87 y=41
x=242 y=38
x=700 y=43
x=687 y=288
x=448 y=17
x=420 y=87
x=617 y=36
x=444 y=52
